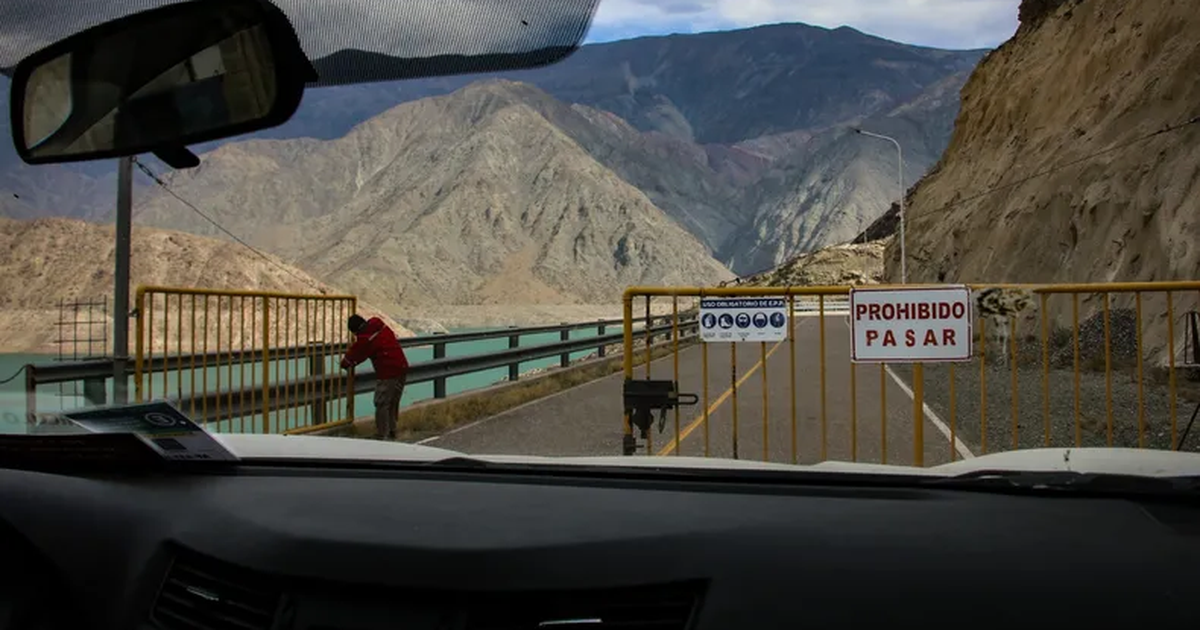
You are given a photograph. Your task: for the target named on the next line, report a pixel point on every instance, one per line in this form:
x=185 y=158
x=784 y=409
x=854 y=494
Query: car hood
x=1086 y=460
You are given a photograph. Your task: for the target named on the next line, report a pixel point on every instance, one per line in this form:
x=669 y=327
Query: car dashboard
x=265 y=547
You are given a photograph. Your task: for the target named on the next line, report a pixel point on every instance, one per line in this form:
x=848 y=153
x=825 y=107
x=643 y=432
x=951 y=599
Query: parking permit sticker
x=160 y=425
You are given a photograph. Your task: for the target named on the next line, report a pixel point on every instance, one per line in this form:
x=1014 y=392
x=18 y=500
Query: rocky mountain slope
x=743 y=132
x=753 y=203
x=739 y=136
x=1061 y=124
x=846 y=264
x=472 y=198
x=48 y=260
x=832 y=184
x=713 y=88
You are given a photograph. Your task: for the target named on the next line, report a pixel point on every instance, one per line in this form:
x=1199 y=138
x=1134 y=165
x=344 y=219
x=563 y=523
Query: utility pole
x=121 y=281
x=900 y=159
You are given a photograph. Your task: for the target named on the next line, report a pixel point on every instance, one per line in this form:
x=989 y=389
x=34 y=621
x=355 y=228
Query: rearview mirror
x=157 y=81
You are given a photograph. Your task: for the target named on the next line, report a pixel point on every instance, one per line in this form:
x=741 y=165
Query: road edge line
x=934 y=419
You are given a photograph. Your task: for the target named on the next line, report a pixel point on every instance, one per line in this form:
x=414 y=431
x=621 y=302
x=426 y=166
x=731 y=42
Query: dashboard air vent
x=668 y=607
x=204 y=594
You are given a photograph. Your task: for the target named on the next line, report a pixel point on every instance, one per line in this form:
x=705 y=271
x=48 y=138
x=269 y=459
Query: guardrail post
x=95 y=391
x=600 y=333
x=918 y=388
x=266 y=364
x=564 y=360
x=1195 y=326
x=30 y=395
x=514 y=369
x=439 y=384
x=316 y=371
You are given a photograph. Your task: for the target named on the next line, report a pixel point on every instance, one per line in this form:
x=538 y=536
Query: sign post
x=743 y=319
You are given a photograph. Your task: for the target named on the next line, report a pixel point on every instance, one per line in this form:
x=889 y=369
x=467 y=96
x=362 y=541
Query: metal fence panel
x=1054 y=366
x=246 y=361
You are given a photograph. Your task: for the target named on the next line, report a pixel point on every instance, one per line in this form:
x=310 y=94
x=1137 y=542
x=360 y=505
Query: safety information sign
x=160 y=425
x=743 y=319
x=911 y=325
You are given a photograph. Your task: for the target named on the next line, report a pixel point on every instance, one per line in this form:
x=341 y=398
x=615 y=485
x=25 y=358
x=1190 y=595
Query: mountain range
x=655 y=160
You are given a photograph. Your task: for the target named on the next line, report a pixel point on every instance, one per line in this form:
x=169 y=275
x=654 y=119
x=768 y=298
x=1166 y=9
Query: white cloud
x=941 y=23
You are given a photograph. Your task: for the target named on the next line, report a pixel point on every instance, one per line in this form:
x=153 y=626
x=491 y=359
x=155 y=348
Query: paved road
x=587 y=420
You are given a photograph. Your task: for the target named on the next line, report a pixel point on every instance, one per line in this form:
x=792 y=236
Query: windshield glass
x=347 y=40
x=788 y=232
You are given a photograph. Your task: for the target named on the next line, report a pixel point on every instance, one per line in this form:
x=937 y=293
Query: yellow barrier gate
x=1052 y=366
x=245 y=361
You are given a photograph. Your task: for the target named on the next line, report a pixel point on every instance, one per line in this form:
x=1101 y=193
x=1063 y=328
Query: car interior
x=357 y=546
x=96 y=532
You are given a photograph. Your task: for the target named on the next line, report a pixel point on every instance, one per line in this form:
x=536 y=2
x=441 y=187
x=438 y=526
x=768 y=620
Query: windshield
x=783 y=232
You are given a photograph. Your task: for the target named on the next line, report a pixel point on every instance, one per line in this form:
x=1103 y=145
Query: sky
x=414 y=28
x=954 y=24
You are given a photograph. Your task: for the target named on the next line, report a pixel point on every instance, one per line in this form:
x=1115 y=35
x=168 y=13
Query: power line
x=1023 y=180
x=146 y=170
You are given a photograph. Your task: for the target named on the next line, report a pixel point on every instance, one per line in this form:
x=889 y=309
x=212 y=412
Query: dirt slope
x=48 y=260
x=1053 y=123
x=851 y=264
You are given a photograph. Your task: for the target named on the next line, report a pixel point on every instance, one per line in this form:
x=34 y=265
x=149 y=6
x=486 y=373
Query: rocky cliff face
x=848 y=264
x=739 y=136
x=471 y=198
x=1075 y=158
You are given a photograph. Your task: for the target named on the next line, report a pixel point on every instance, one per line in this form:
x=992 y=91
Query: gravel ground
x=1031 y=417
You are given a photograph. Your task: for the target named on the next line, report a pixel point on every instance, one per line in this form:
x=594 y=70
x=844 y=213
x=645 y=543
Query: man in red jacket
x=375 y=341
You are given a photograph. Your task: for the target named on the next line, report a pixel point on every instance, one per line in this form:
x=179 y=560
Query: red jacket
x=378 y=343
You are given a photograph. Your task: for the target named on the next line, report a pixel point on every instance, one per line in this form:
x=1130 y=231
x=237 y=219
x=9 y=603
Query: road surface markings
x=666 y=450
x=933 y=418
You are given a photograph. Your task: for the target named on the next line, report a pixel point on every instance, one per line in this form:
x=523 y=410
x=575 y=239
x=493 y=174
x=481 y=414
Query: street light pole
x=900 y=160
x=121 y=280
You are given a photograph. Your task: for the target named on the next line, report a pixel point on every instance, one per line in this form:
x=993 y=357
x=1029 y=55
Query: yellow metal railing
x=245 y=359
x=1053 y=366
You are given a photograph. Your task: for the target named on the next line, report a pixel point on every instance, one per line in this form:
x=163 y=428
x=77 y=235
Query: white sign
x=743 y=319
x=911 y=325
x=160 y=425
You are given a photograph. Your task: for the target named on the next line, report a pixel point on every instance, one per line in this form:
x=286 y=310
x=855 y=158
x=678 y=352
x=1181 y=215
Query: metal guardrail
x=52 y=373
x=224 y=404
x=832 y=305
x=440 y=341
x=423 y=372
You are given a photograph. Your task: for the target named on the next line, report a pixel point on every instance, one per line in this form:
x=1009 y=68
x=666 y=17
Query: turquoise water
x=180 y=383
